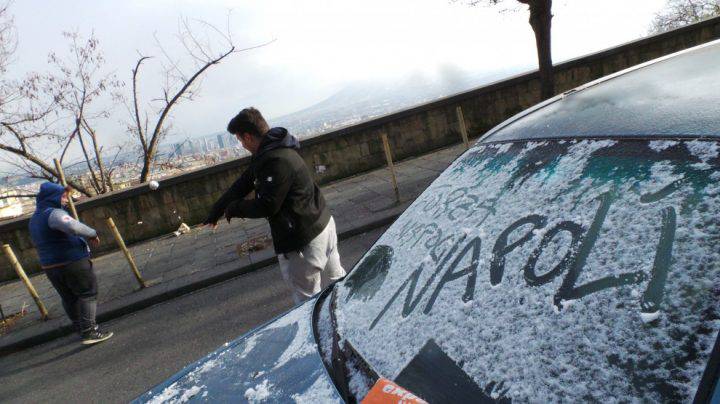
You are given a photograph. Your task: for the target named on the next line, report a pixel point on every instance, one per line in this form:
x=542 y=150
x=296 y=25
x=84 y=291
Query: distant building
x=9 y=206
x=178 y=149
x=221 y=141
x=230 y=140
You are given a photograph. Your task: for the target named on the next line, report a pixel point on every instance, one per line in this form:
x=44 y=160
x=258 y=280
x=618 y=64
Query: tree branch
x=38 y=162
x=152 y=147
x=18 y=196
x=93 y=176
x=140 y=133
x=98 y=155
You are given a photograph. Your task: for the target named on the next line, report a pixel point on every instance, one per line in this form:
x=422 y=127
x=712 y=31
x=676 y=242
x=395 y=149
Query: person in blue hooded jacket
x=62 y=245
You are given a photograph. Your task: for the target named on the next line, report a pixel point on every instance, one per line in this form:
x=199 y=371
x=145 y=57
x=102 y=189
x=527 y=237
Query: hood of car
x=276 y=362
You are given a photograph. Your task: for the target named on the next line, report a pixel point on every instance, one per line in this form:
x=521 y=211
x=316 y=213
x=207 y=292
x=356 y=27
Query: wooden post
x=21 y=274
x=388 y=157
x=61 y=174
x=128 y=256
x=463 y=129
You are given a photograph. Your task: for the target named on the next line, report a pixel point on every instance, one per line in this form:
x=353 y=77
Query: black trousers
x=77 y=286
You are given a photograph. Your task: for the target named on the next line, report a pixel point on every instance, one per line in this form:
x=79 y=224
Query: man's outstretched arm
x=62 y=221
x=273 y=182
x=237 y=191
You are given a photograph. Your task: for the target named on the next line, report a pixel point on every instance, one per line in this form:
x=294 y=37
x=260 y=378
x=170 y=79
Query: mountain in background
x=361 y=101
x=364 y=100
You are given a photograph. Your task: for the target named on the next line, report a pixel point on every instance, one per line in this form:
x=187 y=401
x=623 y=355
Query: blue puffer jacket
x=54 y=246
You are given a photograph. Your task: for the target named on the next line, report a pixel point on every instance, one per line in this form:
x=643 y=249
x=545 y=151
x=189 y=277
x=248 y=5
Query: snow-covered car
x=571 y=255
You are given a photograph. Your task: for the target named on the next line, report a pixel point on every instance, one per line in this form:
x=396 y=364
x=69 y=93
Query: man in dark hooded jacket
x=62 y=245
x=302 y=229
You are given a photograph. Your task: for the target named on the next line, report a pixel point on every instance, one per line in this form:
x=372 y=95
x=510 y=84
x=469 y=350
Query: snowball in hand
x=153 y=185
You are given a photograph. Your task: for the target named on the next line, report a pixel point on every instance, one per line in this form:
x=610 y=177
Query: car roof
x=673 y=96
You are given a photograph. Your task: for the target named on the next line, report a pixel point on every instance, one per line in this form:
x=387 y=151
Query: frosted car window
x=679 y=96
x=556 y=270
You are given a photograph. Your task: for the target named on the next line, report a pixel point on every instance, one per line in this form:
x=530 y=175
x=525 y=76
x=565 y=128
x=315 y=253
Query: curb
x=144 y=298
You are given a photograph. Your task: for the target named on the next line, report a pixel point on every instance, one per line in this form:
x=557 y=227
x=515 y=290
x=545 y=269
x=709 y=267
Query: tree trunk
x=101 y=167
x=540 y=21
x=93 y=177
x=106 y=181
x=147 y=165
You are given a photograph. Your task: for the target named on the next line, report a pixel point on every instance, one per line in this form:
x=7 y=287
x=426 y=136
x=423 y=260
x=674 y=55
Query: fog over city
x=334 y=61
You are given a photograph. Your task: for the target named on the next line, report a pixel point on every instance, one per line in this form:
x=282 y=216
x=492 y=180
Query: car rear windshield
x=679 y=96
x=559 y=270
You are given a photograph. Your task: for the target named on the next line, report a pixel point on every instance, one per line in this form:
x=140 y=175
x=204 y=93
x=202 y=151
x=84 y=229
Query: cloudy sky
x=320 y=45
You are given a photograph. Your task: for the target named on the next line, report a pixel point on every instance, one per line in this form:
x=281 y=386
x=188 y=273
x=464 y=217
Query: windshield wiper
x=341 y=356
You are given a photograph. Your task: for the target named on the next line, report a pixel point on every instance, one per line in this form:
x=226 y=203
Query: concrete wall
x=354 y=149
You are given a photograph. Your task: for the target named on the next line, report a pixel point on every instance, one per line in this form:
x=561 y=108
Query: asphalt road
x=153 y=344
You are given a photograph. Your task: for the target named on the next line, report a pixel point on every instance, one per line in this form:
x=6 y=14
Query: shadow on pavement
x=48 y=361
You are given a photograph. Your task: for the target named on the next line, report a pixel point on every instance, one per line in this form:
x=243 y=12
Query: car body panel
x=276 y=362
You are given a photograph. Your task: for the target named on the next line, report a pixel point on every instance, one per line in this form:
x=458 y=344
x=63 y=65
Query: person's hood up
x=49 y=196
x=277 y=138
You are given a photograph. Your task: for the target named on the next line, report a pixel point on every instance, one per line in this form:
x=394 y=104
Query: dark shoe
x=94 y=336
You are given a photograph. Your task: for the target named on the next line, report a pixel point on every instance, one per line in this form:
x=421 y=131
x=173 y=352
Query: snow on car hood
x=552 y=270
x=278 y=362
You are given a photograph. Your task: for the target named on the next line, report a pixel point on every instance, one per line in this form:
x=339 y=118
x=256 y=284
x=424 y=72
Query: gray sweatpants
x=313 y=268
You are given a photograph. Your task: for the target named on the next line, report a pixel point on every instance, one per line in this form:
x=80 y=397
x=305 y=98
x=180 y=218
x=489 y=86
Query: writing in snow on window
x=617 y=233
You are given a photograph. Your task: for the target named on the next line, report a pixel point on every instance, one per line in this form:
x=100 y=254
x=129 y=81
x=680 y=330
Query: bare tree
x=180 y=83
x=25 y=131
x=540 y=21
x=77 y=83
x=27 y=138
x=679 y=13
x=26 y=116
x=34 y=116
x=43 y=115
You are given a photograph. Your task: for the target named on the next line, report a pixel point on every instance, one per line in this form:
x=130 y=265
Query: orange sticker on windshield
x=387 y=392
